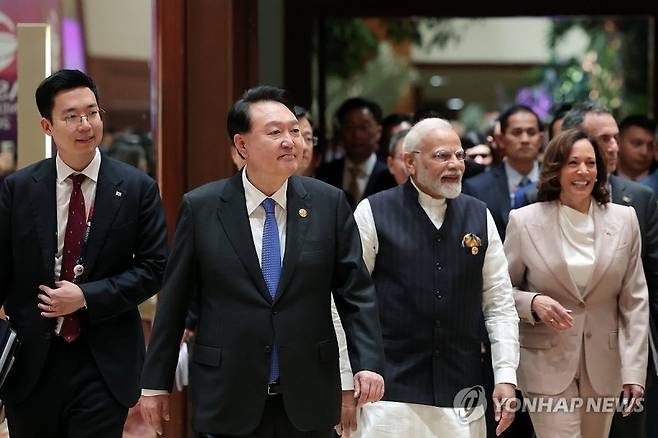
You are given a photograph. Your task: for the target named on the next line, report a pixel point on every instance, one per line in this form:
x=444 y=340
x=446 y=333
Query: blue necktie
x=271 y=267
x=519 y=196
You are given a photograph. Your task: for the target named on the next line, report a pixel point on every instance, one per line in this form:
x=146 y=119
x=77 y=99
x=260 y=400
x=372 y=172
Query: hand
x=155 y=408
x=64 y=300
x=368 y=387
x=632 y=398
x=347 y=423
x=504 y=398
x=552 y=313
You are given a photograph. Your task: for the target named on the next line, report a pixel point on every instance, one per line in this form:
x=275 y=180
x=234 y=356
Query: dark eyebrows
x=73 y=109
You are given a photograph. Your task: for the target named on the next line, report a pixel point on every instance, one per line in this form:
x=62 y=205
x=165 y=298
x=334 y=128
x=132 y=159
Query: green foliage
x=614 y=69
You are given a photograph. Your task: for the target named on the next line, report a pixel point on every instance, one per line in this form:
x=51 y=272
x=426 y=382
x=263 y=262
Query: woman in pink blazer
x=580 y=291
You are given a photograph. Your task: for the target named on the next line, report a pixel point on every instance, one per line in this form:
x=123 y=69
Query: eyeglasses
x=313 y=140
x=75 y=120
x=443 y=156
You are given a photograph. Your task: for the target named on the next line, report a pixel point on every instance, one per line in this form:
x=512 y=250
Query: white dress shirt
x=365 y=169
x=578 y=243
x=63 y=189
x=501 y=318
x=514 y=178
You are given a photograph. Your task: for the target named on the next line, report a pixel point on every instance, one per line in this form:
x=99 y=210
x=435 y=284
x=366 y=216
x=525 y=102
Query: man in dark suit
x=264 y=250
x=359 y=172
x=83 y=241
x=599 y=123
x=521 y=138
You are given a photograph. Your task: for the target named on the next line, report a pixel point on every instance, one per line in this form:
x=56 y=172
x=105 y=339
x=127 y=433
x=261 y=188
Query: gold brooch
x=472 y=241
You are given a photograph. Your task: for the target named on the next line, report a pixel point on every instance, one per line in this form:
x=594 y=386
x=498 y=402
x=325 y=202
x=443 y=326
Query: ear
x=389 y=163
x=410 y=163
x=46 y=126
x=240 y=143
x=500 y=140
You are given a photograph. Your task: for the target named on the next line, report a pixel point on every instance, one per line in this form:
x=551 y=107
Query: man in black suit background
x=264 y=250
x=359 y=173
x=521 y=138
x=83 y=241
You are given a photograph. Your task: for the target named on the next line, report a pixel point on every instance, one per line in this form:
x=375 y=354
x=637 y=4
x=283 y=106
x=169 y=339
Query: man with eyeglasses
x=521 y=138
x=438 y=265
x=83 y=241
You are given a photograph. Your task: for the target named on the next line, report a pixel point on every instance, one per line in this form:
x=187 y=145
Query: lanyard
x=79 y=267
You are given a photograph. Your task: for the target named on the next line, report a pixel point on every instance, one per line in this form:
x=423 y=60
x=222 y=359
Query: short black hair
x=639 y=120
x=576 y=115
x=356 y=103
x=514 y=109
x=61 y=80
x=303 y=113
x=558 y=114
x=238 y=120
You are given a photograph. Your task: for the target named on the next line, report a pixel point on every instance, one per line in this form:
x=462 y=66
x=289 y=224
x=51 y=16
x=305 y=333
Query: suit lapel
x=232 y=214
x=503 y=191
x=296 y=227
x=43 y=200
x=545 y=235
x=619 y=193
x=107 y=202
x=606 y=239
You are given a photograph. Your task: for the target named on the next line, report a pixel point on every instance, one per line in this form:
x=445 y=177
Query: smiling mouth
x=580 y=183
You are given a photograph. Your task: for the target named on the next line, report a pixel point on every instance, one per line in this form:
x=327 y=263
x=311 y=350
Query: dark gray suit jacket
x=492 y=189
x=213 y=253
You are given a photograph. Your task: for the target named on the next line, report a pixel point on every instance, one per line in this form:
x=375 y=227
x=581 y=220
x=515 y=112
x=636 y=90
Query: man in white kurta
x=434 y=157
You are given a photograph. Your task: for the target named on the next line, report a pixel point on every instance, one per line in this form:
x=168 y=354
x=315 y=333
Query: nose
x=582 y=168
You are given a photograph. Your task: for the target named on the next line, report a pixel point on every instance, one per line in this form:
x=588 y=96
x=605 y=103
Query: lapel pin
x=302 y=212
x=626 y=199
x=118 y=194
x=472 y=241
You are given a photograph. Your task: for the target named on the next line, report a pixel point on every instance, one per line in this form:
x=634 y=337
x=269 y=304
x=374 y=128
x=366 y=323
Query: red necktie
x=73 y=239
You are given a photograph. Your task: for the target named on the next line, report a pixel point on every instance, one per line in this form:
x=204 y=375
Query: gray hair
x=395 y=139
x=576 y=115
x=419 y=130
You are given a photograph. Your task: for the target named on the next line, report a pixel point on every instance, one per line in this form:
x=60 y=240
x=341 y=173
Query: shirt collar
x=366 y=167
x=426 y=200
x=255 y=197
x=91 y=171
x=514 y=177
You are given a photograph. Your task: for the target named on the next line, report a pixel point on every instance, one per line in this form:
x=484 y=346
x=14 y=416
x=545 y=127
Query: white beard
x=450 y=190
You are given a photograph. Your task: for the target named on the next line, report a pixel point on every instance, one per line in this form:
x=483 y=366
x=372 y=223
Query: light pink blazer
x=611 y=318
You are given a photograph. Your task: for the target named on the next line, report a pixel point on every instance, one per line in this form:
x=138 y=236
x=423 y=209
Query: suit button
x=438 y=239
x=437 y=324
x=268 y=349
x=438 y=295
x=438 y=267
x=275 y=312
x=588 y=335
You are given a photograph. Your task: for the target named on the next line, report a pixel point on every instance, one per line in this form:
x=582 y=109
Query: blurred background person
x=395 y=158
x=555 y=126
x=521 y=138
x=636 y=142
x=309 y=161
x=392 y=124
x=360 y=130
x=574 y=260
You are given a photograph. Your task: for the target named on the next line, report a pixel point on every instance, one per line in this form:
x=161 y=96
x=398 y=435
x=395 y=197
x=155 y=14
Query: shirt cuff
x=346 y=381
x=505 y=375
x=151 y=392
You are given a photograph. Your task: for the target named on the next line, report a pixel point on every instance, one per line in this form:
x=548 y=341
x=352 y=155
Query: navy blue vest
x=429 y=289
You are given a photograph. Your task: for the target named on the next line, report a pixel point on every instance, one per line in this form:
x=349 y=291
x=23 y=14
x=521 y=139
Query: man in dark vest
x=438 y=265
